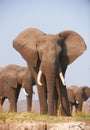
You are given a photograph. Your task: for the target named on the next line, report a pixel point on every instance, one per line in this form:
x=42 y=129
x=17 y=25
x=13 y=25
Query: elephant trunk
x=49 y=72
x=51 y=80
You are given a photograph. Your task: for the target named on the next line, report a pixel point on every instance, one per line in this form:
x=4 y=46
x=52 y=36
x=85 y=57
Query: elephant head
x=49 y=55
x=15 y=75
x=81 y=95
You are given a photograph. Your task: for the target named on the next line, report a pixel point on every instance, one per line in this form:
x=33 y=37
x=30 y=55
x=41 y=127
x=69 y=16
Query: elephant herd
x=47 y=57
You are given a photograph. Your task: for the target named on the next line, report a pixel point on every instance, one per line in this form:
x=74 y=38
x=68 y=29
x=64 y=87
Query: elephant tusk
x=25 y=91
x=77 y=102
x=62 y=78
x=39 y=77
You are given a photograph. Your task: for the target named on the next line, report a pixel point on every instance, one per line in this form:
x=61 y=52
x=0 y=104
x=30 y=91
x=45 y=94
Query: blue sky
x=50 y=16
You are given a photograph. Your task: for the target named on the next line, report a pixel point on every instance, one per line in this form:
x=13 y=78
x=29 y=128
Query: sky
x=50 y=16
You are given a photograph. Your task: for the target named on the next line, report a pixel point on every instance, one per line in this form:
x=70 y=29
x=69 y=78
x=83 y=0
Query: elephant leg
x=79 y=107
x=57 y=98
x=13 y=102
x=71 y=107
x=64 y=101
x=42 y=93
x=12 y=95
x=55 y=102
x=29 y=103
x=13 y=105
x=1 y=103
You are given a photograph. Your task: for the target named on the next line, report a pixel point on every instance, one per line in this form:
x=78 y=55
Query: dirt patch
x=34 y=121
x=28 y=125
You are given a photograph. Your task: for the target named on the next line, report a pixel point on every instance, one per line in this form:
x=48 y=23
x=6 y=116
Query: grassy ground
x=20 y=117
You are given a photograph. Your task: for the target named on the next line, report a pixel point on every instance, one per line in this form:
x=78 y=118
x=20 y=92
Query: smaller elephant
x=12 y=78
x=71 y=96
x=81 y=95
x=77 y=95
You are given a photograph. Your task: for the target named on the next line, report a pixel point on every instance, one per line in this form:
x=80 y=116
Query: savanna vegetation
x=26 y=116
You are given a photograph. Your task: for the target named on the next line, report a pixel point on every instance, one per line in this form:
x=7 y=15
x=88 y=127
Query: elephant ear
x=85 y=92
x=26 y=44
x=12 y=81
x=27 y=49
x=75 y=45
x=29 y=53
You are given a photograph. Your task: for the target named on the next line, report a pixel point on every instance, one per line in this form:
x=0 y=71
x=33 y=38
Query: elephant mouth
x=40 y=74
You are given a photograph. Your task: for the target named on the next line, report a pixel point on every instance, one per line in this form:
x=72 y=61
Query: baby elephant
x=12 y=78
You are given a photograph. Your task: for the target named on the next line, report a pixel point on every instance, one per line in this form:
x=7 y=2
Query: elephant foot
x=43 y=111
x=63 y=113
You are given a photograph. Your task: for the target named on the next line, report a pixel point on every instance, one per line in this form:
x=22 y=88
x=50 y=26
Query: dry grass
x=20 y=117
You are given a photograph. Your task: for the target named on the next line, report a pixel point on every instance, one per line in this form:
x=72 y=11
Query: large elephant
x=12 y=78
x=47 y=57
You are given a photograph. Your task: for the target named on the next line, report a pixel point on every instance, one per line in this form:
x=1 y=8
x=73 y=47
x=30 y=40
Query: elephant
x=77 y=95
x=12 y=78
x=47 y=57
x=71 y=96
x=81 y=95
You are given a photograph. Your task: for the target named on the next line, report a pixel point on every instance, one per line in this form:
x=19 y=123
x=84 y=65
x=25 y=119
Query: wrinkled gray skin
x=77 y=95
x=49 y=55
x=12 y=78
